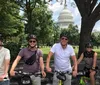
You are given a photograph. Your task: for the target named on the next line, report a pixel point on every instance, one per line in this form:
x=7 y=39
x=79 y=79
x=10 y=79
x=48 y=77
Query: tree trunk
x=85 y=34
x=29 y=16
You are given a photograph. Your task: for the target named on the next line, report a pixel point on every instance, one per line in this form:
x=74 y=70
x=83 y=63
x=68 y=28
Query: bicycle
x=24 y=78
x=98 y=77
x=62 y=76
x=83 y=78
x=48 y=79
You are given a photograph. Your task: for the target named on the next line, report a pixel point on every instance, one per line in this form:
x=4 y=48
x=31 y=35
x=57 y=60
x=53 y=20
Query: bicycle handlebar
x=19 y=73
x=81 y=73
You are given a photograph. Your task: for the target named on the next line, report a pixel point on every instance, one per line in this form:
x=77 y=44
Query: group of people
x=33 y=61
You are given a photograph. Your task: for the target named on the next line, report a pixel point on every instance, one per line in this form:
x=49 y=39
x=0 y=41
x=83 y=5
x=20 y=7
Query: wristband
x=93 y=68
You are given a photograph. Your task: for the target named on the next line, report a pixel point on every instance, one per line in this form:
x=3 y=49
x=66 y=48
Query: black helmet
x=63 y=34
x=89 y=45
x=31 y=36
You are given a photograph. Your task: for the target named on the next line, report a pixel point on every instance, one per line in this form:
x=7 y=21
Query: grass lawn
x=98 y=52
x=46 y=50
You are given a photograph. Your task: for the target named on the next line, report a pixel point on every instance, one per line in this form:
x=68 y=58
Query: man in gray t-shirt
x=27 y=55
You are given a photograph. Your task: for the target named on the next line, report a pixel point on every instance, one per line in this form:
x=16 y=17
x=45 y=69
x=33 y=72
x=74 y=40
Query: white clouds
x=56 y=7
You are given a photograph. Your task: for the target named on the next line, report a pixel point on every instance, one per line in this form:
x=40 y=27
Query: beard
x=32 y=46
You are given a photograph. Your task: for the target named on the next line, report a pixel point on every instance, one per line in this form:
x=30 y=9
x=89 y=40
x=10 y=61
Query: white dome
x=65 y=18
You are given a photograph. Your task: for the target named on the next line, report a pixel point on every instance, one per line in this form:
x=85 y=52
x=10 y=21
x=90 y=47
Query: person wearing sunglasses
x=33 y=60
x=4 y=63
x=62 y=52
x=90 y=58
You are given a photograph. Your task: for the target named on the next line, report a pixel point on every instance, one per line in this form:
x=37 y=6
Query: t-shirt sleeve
x=40 y=53
x=72 y=51
x=21 y=53
x=53 y=48
x=7 y=54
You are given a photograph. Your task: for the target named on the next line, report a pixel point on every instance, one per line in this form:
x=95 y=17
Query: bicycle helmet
x=88 y=45
x=63 y=35
x=31 y=36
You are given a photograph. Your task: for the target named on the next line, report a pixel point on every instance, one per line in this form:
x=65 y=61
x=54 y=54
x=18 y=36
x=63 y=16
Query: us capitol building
x=65 y=18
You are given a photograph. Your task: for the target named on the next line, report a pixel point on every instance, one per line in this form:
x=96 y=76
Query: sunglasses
x=32 y=41
x=64 y=39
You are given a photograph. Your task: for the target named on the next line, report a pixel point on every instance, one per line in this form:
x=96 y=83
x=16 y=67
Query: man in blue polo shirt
x=62 y=52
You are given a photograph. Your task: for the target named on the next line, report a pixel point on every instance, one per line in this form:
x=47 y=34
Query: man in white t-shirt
x=4 y=64
x=62 y=52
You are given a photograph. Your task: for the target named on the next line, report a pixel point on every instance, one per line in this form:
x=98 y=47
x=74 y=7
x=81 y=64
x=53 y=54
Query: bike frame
x=60 y=82
x=84 y=80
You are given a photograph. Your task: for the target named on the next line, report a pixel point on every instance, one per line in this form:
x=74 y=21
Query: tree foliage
x=96 y=38
x=38 y=19
x=10 y=25
x=90 y=14
x=42 y=24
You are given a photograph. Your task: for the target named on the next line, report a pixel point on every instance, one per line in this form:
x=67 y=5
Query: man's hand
x=2 y=77
x=12 y=73
x=74 y=73
x=43 y=73
x=48 y=69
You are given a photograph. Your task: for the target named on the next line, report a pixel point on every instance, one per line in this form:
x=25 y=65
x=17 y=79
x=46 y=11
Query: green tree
x=56 y=32
x=90 y=14
x=28 y=7
x=96 y=38
x=10 y=25
x=38 y=19
x=42 y=23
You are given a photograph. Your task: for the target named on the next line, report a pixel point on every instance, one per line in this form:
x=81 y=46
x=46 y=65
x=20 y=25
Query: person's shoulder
x=5 y=49
x=70 y=46
x=25 y=48
x=39 y=50
x=56 y=44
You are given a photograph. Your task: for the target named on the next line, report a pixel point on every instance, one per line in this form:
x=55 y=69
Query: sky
x=56 y=8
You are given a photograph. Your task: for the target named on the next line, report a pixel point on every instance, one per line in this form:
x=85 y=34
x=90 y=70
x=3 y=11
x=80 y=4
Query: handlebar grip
x=5 y=78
